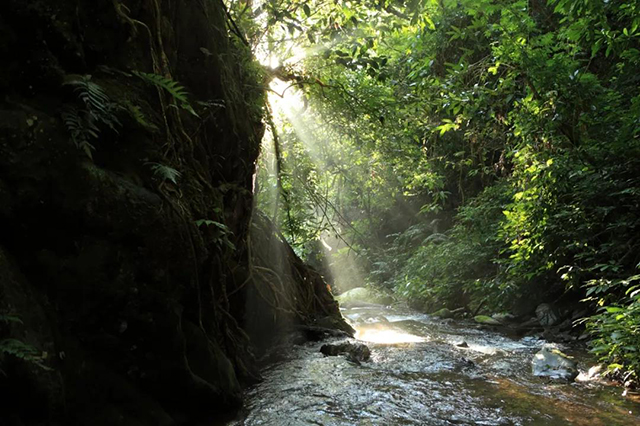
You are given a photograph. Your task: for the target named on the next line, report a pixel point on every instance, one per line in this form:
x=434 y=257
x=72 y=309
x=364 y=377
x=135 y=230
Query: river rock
x=356 y=352
x=551 y=362
x=504 y=317
x=443 y=313
x=595 y=372
x=530 y=323
x=362 y=295
x=547 y=315
x=487 y=320
x=370 y=319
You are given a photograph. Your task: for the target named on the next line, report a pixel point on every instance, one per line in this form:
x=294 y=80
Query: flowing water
x=418 y=375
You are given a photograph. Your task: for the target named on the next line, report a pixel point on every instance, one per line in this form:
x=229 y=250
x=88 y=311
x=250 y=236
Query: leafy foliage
x=83 y=123
x=164 y=172
x=138 y=115
x=23 y=351
x=18 y=348
x=177 y=91
x=221 y=234
x=9 y=318
x=462 y=265
x=470 y=150
x=81 y=130
x=616 y=326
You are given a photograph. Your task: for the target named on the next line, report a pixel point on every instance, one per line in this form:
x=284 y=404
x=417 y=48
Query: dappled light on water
x=386 y=336
x=430 y=383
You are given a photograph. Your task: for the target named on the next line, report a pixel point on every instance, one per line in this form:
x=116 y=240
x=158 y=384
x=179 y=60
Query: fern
x=81 y=130
x=7 y=318
x=89 y=92
x=224 y=228
x=82 y=123
x=223 y=232
x=136 y=113
x=165 y=172
x=96 y=101
x=174 y=88
x=24 y=351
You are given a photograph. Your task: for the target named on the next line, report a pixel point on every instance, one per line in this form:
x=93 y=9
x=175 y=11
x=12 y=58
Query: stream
x=418 y=375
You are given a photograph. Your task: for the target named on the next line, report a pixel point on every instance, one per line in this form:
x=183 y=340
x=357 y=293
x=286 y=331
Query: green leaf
x=10 y=318
x=208 y=222
x=174 y=88
x=165 y=172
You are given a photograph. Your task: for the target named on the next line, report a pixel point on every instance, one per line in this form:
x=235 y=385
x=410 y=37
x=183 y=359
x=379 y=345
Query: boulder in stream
x=449 y=313
x=595 y=372
x=551 y=362
x=487 y=320
x=443 y=313
x=504 y=317
x=355 y=352
x=363 y=296
x=547 y=315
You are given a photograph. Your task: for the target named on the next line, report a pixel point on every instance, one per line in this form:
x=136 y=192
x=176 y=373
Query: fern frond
x=136 y=113
x=89 y=93
x=165 y=172
x=173 y=87
x=82 y=124
x=23 y=351
x=223 y=232
x=80 y=129
x=224 y=228
x=8 y=317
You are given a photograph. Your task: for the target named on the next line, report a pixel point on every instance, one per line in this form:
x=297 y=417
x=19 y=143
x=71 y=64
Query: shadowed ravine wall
x=128 y=285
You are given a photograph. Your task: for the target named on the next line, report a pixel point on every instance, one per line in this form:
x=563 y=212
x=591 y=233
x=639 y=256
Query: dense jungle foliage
x=479 y=153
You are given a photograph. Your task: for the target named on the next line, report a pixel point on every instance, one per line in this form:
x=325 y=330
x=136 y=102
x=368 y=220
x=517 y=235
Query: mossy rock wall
x=131 y=302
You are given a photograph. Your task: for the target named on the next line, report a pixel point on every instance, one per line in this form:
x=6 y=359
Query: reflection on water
x=420 y=373
x=386 y=336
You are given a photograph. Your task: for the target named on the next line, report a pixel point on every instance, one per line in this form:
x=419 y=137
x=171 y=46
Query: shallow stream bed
x=418 y=375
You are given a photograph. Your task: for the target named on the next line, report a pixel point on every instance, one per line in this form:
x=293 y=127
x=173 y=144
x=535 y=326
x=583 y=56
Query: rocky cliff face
x=129 y=132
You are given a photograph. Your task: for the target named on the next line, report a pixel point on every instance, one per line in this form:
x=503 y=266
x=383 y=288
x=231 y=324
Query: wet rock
x=443 y=313
x=503 y=318
x=547 y=315
x=449 y=313
x=334 y=322
x=465 y=364
x=356 y=352
x=595 y=372
x=487 y=320
x=551 y=362
x=565 y=325
x=462 y=344
x=530 y=323
x=561 y=337
x=468 y=363
x=316 y=334
x=371 y=319
x=363 y=296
